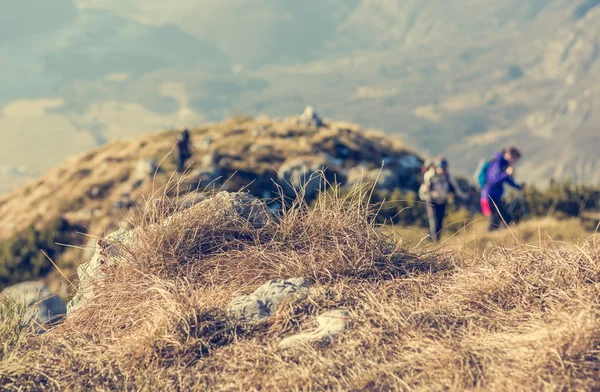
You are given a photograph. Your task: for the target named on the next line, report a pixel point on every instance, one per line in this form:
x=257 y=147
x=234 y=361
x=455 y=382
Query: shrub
x=22 y=256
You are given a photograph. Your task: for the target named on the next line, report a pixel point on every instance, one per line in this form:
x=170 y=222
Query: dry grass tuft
x=519 y=318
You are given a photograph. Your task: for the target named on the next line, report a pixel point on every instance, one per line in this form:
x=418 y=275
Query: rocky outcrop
x=43 y=307
x=206 y=176
x=145 y=168
x=331 y=323
x=236 y=206
x=384 y=179
x=119 y=247
x=310 y=118
x=265 y=301
x=307 y=173
x=110 y=251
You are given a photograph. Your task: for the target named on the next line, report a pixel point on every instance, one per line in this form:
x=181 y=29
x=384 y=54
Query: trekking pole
x=525 y=207
x=513 y=204
x=519 y=199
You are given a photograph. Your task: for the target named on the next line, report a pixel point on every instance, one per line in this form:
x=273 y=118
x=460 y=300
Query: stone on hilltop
x=311 y=118
x=305 y=173
x=331 y=323
x=265 y=301
x=43 y=307
x=118 y=248
x=109 y=252
x=384 y=179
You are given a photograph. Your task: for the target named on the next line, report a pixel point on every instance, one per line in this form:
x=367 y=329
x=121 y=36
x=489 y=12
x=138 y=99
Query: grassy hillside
x=96 y=193
x=519 y=317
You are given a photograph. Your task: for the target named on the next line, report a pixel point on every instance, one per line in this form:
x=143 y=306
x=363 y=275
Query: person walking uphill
x=500 y=171
x=183 y=148
x=437 y=185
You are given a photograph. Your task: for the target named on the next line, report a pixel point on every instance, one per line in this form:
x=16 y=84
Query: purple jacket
x=496 y=177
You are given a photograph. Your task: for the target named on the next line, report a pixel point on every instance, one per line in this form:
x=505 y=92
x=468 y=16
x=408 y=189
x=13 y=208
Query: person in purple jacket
x=500 y=171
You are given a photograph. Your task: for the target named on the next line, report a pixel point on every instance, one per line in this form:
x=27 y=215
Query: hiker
x=499 y=171
x=183 y=147
x=428 y=164
x=437 y=185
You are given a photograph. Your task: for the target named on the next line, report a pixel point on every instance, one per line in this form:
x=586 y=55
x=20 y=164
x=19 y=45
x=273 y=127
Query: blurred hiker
x=428 y=164
x=437 y=186
x=499 y=171
x=183 y=148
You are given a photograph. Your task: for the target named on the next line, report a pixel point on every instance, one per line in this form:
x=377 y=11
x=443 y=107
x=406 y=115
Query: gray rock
x=118 y=247
x=89 y=249
x=44 y=308
x=385 y=179
x=209 y=160
x=236 y=205
x=109 y=251
x=305 y=173
x=123 y=202
x=331 y=324
x=206 y=175
x=145 y=168
x=190 y=200
x=95 y=192
x=265 y=301
x=410 y=162
x=311 y=118
x=206 y=142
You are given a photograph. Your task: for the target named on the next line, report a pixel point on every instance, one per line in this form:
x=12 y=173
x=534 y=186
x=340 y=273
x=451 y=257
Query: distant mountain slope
x=459 y=78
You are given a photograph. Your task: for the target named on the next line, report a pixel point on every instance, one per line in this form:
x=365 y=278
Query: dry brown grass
x=524 y=318
x=472 y=236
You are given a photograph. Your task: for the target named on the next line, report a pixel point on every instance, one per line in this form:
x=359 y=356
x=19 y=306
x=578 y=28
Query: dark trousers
x=181 y=158
x=500 y=215
x=436 y=212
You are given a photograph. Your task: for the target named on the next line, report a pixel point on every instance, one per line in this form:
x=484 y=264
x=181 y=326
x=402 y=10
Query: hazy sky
x=78 y=73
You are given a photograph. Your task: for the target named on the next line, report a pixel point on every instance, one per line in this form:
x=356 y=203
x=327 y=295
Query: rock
x=410 y=161
x=265 y=301
x=206 y=142
x=331 y=324
x=145 y=168
x=89 y=249
x=235 y=205
x=190 y=200
x=311 y=118
x=123 y=202
x=260 y=149
x=386 y=178
x=95 y=192
x=117 y=248
x=228 y=206
x=209 y=160
x=305 y=172
x=44 y=308
x=206 y=175
x=169 y=206
x=109 y=251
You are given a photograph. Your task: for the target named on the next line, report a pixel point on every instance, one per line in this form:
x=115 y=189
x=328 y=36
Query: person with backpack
x=498 y=172
x=427 y=164
x=437 y=186
x=183 y=148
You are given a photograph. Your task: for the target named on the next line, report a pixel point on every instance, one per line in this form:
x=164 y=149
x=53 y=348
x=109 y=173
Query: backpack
x=428 y=189
x=480 y=176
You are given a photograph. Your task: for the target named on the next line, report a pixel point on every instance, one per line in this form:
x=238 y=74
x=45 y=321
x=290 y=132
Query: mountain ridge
x=462 y=81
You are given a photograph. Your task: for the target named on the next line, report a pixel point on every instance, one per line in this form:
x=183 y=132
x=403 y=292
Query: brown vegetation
x=518 y=318
x=95 y=191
